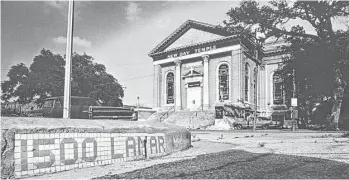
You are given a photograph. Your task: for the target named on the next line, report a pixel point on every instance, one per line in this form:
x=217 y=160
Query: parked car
x=276 y=124
x=262 y=122
x=85 y=108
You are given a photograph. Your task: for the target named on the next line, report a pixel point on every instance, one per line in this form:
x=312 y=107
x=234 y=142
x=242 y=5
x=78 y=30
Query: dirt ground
x=325 y=145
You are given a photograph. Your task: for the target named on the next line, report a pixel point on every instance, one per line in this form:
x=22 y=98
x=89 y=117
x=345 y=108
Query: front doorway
x=194 y=99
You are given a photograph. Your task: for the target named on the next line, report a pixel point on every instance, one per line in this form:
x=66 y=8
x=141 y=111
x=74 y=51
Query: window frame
x=226 y=91
x=278 y=97
x=167 y=100
x=247 y=82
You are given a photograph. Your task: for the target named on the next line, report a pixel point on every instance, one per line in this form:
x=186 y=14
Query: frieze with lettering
x=194 y=50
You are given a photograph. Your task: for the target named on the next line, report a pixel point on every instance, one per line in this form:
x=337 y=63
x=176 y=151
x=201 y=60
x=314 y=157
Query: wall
x=34 y=146
x=165 y=69
x=214 y=61
x=236 y=74
x=157 y=86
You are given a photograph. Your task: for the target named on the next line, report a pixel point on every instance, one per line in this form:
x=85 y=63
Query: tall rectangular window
x=170 y=88
x=223 y=78
x=247 y=81
x=278 y=89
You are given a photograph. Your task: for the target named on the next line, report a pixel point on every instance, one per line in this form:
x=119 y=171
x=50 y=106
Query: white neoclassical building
x=200 y=64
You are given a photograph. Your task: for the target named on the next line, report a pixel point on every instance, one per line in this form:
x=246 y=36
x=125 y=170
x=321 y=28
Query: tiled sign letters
x=40 y=153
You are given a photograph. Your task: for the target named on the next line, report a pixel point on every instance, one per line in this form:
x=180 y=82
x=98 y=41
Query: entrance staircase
x=161 y=115
x=190 y=119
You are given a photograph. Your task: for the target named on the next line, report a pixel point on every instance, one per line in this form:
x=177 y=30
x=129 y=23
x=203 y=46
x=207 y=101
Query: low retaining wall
x=144 y=113
x=34 y=146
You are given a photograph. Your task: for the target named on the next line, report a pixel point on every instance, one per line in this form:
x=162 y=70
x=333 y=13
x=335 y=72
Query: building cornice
x=196 y=45
x=189 y=24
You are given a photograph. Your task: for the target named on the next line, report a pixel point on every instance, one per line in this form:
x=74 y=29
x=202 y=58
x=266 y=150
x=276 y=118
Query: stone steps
x=191 y=119
x=160 y=115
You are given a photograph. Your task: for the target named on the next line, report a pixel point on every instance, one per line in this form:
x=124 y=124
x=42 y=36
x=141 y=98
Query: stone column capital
x=205 y=57
x=178 y=62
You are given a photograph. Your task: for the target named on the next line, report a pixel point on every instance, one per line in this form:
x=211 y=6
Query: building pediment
x=193 y=36
x=191 y=32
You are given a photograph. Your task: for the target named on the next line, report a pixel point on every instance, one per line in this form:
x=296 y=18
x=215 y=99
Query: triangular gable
x=192 y=73
x=193 y=36
x=196 y=28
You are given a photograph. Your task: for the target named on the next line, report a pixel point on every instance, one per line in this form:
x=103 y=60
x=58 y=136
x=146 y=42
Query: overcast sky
x=117 y=34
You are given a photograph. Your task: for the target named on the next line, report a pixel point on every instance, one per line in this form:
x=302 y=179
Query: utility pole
x=256 y=83
x=294 y=107
x=68 y=62
x=138 y=101
x=255 y=92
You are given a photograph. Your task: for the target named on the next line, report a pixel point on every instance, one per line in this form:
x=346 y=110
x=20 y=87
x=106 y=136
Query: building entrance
x=194 y=96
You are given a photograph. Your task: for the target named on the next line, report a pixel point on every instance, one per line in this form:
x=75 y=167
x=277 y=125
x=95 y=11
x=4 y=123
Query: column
x=206 y=101
x=236 y=79
x=157 y=86
x=178 y=101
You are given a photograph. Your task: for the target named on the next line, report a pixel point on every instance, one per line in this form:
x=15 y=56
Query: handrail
x=200 y=108
x=166 y=113
x=196 y=111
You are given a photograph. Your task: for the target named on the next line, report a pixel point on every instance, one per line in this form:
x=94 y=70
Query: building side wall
x=270 y=68
x=157 y=86
x=236 y=75
x=252 y=65
x=214 y=61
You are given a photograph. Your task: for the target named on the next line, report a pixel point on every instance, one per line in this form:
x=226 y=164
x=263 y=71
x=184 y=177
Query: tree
x=45 y=78
x=320 y=59
x=47 y=75
x=17 y=85
x=92 y=80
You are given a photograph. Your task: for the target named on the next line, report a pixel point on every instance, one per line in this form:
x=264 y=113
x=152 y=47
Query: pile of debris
x=222 y=124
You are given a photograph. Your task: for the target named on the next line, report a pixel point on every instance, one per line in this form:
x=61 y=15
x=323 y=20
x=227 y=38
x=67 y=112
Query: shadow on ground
x=238 y=164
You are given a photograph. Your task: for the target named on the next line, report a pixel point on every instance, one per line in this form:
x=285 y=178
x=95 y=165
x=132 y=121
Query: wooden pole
x=255 y=94
x=68 y=63
x=256 y=80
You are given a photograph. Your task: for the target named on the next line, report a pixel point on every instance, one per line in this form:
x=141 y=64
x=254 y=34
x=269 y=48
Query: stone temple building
x=200 y=64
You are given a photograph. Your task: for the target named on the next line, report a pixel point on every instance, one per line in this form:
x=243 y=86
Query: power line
x=139 y=77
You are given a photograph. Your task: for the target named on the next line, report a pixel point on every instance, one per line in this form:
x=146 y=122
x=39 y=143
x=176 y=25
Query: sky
x=118 y=34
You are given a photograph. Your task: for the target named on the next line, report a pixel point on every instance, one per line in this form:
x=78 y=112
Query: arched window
x=170 y=88
x=278 y=89
x=223 y=82
x=247 y=81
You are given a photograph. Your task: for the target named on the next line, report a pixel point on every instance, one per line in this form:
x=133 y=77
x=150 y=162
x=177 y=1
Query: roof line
x=180 y=30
